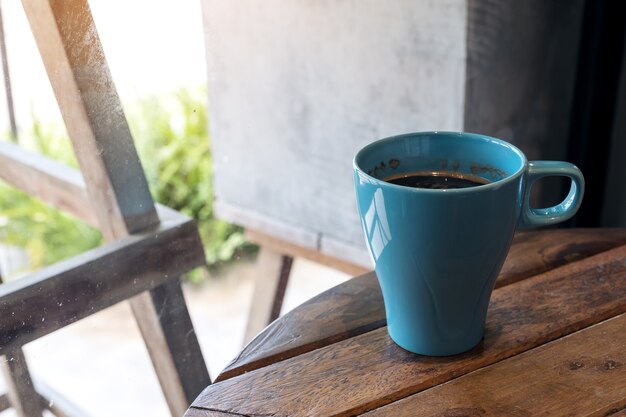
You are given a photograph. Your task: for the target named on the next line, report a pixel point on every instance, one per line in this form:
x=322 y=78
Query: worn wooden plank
x=69 y=45
x=618 y=413
x=369 y=370
x=46 y=179
x=19 y=383
x=55 y=296
x=582 y=374
x=539 y=251
x=72 y=54
x=178 y=331
x=146 y=313
x=53 y=182
x=20 y=389
x=356 y=306
x=194 y=412
x=4 y=402
x=280 y=245
x=8 y=88
x=346 y=310
x=272 y=274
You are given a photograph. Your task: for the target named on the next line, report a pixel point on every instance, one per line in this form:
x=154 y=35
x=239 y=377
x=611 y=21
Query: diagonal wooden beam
x=70 y=48
x=116 y=186
x=8 y=90
x=50 y=181
x=19 y=384
x=20 y=389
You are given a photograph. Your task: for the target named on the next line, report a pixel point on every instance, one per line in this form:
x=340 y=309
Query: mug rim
x=473 y=136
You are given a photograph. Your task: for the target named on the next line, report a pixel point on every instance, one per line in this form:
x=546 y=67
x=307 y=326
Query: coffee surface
x=438 y=180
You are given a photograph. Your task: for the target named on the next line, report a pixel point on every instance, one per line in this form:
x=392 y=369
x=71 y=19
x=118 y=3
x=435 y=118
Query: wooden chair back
x=148 y=246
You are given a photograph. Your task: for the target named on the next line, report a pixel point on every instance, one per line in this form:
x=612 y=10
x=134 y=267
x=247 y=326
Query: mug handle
x=531 y=217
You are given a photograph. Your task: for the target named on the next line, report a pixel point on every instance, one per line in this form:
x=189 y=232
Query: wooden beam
x=179 y=332
x=283 y=246
x=195 y=412
x=70 y=48
x=20 y=388
x=577 y=375
x=4 y=402
x=56 y=184
x=176 y=334
x=8 y=90
x=70 y=290
x=50 y=181
x=69 y=45
x=272 y=275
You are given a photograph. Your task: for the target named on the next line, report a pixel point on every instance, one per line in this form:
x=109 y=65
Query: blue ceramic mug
x=438 y=251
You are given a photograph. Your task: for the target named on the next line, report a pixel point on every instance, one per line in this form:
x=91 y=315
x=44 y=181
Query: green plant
x=173 y=141
x=48 y=235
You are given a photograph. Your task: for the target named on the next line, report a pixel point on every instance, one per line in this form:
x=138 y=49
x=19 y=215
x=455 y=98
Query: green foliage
x=171 y=135
x=173 y=142
x=48 y=234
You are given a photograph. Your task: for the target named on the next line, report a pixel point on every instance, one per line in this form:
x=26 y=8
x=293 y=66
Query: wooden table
x=555 y=345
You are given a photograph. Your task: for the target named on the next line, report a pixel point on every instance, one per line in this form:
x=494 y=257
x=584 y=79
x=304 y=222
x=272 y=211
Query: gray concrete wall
x=297 y=87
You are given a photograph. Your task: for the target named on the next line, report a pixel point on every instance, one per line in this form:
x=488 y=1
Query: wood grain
x=617 y=413
x=72 y=54
x=58 y=295
x=583 y=374
x=347 y=310
x=46 y=179
x=59 y=185
x=195 y=412
x=18 y=382
x=69 y=45
x=4 y=402
x=367 y=371
x=8 y=90
x=20 y=388
x=178 y=335
x=356 y=306
x=271 y=277
x=534 y=252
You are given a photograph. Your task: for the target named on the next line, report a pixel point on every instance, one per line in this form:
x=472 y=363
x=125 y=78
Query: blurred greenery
x=173 y=142
x=47 y=234
x=171 y=135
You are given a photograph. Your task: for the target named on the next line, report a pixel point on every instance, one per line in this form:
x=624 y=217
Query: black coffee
x=439 y=180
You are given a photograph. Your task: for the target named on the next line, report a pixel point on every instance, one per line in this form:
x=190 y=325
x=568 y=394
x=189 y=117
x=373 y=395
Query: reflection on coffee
x=438 y=180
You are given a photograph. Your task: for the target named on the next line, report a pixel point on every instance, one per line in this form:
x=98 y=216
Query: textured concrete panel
x=297 y=87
